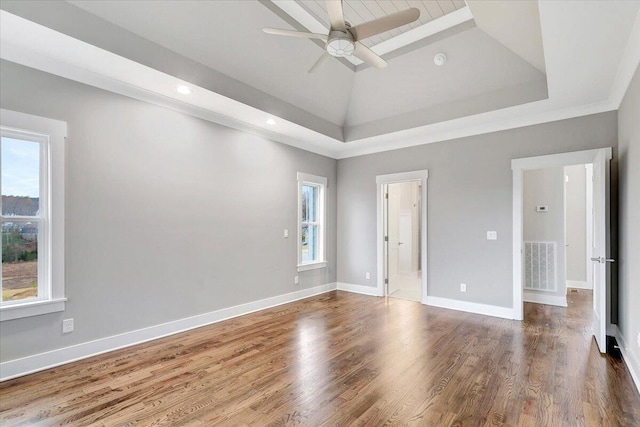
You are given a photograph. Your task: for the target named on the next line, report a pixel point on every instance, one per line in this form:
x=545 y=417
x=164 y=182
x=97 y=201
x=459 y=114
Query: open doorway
x=539 y=260
x=557 y=235
x=402 y=235
x=403 y=268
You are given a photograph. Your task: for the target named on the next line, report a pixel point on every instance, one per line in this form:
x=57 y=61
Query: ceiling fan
x=344 y=40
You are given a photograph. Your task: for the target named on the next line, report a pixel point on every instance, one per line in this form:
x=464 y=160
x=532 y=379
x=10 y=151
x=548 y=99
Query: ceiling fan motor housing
x=340 y=44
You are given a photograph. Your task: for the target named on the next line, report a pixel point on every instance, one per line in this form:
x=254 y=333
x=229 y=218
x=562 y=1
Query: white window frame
x=321 y=183
x=50 y=134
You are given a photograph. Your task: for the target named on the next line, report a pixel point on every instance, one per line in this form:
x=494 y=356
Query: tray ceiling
x=241 y=76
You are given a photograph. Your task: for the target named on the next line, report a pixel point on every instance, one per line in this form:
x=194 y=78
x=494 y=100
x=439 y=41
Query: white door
x=600 y=246
x=405 y=244
x=394 y=238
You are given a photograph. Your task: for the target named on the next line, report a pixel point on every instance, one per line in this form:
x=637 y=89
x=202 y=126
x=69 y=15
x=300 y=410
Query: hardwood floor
x=345 y=359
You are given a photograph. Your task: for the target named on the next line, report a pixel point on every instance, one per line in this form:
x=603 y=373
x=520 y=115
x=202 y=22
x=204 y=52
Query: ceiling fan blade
x=386 y=23
x=336 y=16
x=293 y=33
x=319 y=62
x=368 y=56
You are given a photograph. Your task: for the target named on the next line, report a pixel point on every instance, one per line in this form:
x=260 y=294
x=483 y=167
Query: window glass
x=309 y=232
x=19 y=260
x=20 y=188
x=20 y=177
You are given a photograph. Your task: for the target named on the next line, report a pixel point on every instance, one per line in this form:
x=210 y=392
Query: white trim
x=557 y=160
x=518 y=167
x=32 y=308
x=575 y=284
x=470 y=307
x=540 y=298
x=51 y=134
x=358 y=289
x=38 y=362
x=311 y=266
x=633 y=364
x=381 y=180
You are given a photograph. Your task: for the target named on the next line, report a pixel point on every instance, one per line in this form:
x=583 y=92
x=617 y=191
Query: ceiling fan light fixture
x=340 y=44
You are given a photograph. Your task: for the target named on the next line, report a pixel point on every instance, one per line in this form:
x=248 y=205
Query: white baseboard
x=633 y=364
x=540 y=298
x=358 y=289
x=471 y=307
x=577 y=284
x=38 y=362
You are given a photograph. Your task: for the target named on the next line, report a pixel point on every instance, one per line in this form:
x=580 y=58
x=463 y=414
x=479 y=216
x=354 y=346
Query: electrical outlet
x=463 y=287
x=295 y=280
x=67 y=326
x=286 y=233
x=492 y=235
x=367 y=275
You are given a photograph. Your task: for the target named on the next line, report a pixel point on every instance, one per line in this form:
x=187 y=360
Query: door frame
x=518 y=167
x=394 y=178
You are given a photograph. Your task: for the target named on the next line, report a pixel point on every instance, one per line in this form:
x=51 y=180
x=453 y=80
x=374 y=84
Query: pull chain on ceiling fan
x=344 y=40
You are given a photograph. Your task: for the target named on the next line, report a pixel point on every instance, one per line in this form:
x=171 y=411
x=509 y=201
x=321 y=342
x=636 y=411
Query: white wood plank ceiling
x=358 y=11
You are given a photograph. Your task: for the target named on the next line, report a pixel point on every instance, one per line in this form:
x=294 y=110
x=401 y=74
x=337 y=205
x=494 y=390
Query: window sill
x=311 y=265
x=29 y=309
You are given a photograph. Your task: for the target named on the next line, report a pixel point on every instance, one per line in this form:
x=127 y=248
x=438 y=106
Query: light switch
x=286 y=233
x=492 y=235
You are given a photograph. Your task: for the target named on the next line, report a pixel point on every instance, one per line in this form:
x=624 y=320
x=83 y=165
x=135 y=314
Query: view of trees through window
x=20 y=185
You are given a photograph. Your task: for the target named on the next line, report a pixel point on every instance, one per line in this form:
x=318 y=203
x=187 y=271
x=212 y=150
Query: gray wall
x=167 y=216
x=546 y=187
x=469 y=193
x=629 y=218
x=576 y=214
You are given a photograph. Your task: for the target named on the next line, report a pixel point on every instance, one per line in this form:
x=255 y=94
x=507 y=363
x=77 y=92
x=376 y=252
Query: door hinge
x=386 y=238
x=386 y=195
x=386 y=281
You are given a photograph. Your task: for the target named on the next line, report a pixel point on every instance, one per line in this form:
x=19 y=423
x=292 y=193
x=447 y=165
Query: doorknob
x=603 y=260
x=400 y=243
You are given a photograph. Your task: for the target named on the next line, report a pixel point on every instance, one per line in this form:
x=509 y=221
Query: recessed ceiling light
x=183 y=90
x=271 y=122
x=440 y=59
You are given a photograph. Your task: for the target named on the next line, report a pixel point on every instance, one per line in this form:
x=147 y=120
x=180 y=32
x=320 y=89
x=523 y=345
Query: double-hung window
x=311 y=221
x=31 y=218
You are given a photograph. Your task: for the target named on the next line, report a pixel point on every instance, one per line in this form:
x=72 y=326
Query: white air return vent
x=540 y=266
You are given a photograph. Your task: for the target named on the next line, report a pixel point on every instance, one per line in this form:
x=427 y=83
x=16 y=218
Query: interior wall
x=576 y=223
x=546 y=187
x=469 y=193
x=167 y=216
x=628 y=257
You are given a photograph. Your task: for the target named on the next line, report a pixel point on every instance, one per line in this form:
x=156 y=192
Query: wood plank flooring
x=345 y=359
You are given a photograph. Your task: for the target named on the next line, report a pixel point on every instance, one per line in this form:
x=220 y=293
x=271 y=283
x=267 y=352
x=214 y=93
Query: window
x=311 y=222
x=32 y=215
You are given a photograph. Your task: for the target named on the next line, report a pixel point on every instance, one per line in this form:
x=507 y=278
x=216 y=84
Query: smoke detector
x=440 y=59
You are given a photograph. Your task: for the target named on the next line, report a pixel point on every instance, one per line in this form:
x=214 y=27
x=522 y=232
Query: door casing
x=381 y=181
